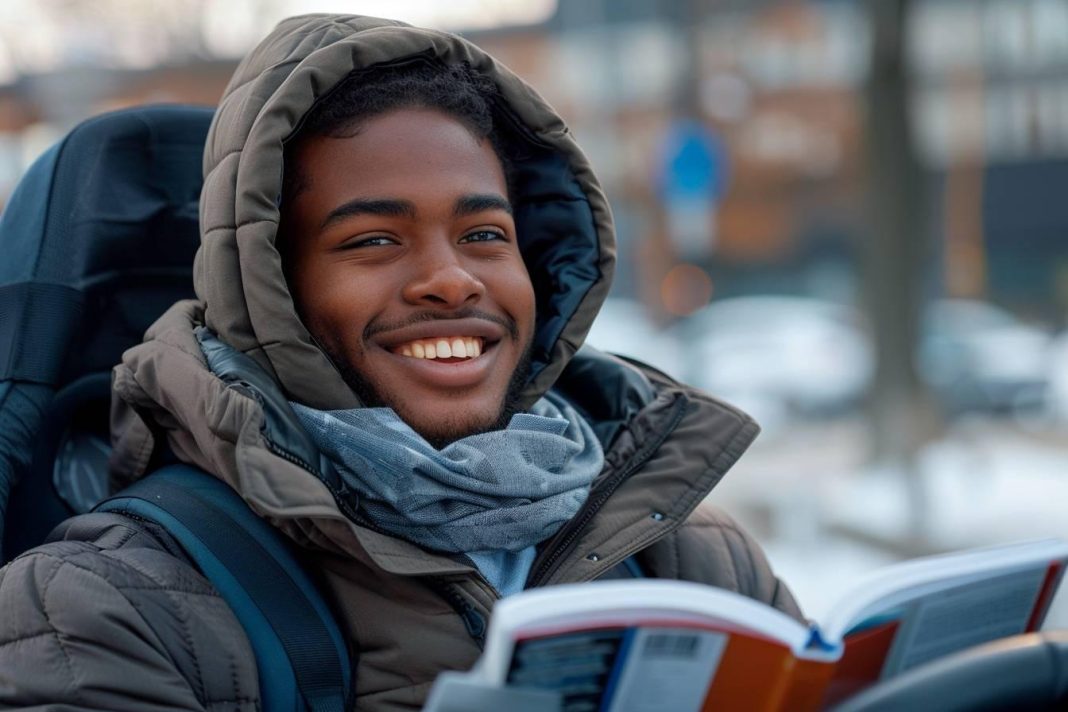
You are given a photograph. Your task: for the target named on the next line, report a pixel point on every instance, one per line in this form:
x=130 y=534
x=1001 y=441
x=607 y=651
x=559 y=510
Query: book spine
x=863 y=658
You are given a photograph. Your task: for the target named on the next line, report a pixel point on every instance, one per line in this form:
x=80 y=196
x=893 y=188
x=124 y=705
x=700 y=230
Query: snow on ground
x=810 y=497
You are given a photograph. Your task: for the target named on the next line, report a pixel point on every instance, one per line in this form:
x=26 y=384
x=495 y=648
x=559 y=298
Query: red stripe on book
x=1049 y=585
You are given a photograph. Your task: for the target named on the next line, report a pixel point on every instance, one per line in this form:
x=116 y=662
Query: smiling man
x=402 y=250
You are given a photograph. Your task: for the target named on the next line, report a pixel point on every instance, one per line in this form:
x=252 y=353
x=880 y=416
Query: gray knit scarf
x=501 y=490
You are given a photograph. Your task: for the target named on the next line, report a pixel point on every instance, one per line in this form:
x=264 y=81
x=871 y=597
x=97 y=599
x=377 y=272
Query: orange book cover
x=758 y=674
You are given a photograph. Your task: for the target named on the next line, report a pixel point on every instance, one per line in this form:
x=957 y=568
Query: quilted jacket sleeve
x=108 y=619
x=711 y=548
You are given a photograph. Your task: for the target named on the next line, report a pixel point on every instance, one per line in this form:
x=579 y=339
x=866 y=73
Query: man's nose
x=440 y=278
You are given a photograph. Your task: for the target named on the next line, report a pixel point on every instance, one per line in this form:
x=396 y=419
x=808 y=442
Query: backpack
x=97 y=241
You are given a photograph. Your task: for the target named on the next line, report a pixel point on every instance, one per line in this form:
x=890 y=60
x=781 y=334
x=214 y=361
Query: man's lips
x=438 y=372
x=489 y=332
x=449 y=373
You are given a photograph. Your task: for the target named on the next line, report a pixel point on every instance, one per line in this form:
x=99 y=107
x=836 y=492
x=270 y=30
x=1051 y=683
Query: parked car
x=979 y=357
x=781 y=356
x=778 y=356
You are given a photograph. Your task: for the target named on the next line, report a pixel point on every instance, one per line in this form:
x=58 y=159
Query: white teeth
x=451 y=347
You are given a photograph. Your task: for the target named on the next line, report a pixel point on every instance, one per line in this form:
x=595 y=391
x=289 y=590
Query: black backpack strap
x=300 y=652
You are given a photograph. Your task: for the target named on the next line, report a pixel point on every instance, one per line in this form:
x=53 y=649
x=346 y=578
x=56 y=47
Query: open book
x=653 y=645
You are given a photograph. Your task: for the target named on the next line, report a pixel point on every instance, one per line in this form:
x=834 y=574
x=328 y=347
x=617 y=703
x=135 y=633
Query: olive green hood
x=562 y=218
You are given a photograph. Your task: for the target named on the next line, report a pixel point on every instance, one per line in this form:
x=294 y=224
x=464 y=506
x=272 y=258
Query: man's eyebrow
x=471 y=204
x=362 y=206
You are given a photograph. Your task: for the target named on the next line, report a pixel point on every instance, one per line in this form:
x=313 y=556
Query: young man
x=404 y=242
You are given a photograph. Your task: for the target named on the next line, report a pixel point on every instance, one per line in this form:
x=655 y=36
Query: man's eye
x=483 y=236
x=374 y=241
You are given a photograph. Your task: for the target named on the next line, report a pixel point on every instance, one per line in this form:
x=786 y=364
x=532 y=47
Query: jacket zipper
x=474 y=622
x=565 y=540
x=339 y=497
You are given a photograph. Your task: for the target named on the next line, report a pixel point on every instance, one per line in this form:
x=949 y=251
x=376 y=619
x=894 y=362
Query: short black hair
x=457 y=90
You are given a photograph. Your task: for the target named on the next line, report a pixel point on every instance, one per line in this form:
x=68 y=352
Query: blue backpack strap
x=631 y=565
x=300 y=653
x=628 y=568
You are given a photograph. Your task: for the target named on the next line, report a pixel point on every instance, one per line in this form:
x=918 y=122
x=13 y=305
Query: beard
x=371 y=397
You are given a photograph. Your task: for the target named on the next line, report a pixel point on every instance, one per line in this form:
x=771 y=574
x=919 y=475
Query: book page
x=894 y=586
x=577 y=665
x=964 y=616
x=666 y=669
x=621 y=670
x=941 y=620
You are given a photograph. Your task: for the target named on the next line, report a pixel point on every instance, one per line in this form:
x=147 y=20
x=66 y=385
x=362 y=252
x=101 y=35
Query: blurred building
x=779 y=83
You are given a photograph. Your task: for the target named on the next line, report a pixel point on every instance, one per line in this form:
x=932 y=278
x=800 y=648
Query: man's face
x=402 y=250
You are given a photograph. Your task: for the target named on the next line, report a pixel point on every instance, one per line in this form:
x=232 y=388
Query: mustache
x=378 y=327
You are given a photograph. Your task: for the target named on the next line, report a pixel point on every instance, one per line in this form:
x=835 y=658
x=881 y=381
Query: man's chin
x=441 y=421
x=441 y=432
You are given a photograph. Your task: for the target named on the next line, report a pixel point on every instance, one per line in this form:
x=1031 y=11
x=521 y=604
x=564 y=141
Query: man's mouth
x=448 y=348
